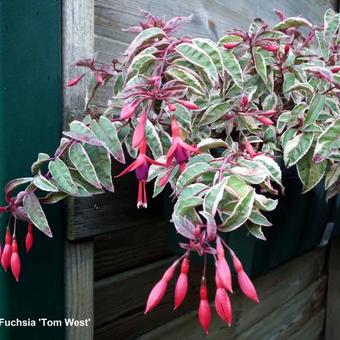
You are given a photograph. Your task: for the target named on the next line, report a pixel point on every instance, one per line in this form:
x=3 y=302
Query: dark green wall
x=30 y=121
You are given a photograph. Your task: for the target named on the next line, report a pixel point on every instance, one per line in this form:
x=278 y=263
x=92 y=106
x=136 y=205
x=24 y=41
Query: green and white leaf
x=35 y=213
x=297 y=147
x=240 y=213
x=310 y=173
x=80 y=159
x=61 y=175
x=44 y=184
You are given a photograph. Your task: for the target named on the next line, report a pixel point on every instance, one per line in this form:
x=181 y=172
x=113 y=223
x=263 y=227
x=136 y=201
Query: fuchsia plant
x=209 y=119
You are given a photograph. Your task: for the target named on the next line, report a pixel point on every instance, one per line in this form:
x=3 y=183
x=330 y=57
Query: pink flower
x=222 y=302
x=15 y=260
x=6 y=254
x=244 y=282
x=139 y=133
x=29 y=238
x=270 y=47
x=129 y=109
x=157 y=293
x=179 y=149
x=204 y=311
x=141 y=168
x=231 y=45
x=187 y=104
x=75 y=81
x=182 y=283
x=264 y=120
x=222 y=268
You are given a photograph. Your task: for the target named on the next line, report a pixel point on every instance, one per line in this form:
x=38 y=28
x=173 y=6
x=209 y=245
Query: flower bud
x=231 y=45
x=172 y=107
x=29 y=237
x=129 y=109
x=223 y=272
x=157 y=293
x=187 y=104
x=15 y=260
x=223 y=306
x=270 y=47
x=182 y=283
x=139 y=133
x=250 y=150
x=204 y=311
x=75 y=81
x=244 y=282
x=287 y=48
x=244 y=102
x=265 y=120
x=7 y=251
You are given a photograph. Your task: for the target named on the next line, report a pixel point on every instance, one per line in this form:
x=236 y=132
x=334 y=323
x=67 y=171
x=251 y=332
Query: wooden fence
x=114 y=253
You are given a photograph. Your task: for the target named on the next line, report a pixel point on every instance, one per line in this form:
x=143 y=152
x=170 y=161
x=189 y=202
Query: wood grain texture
x=129 y=248
x=79 y=288
x=313 y=329
x=275 y=289
x=111 y=212
x=120 y=301
x=333 y=293
x=77 y=42
x=290 y=316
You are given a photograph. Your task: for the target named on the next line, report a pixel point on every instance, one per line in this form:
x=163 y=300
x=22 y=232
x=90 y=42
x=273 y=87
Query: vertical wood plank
x=333 y=293
x=79 y=288
x=77 y=42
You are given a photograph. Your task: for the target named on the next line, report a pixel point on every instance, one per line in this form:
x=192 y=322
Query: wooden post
x=77 y=42
x=333 y=293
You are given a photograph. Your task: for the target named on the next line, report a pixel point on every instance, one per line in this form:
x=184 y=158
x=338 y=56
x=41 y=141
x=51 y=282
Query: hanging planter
x=257 y=97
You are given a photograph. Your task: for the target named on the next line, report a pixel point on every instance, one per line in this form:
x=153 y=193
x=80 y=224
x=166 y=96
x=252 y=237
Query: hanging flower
x=141 y=168
x=179 y=149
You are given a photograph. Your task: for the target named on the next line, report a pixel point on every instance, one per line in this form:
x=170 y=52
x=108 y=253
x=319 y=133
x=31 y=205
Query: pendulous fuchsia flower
x=29 y=237
x=157 y=293
x=244 y=282
x=222 y=302
x=141 y=168
x=129 y=109
x=7 y=251
x=179 y=149
x=204 y=311
x=15 y=260
x=222 y=267
x=182 y=282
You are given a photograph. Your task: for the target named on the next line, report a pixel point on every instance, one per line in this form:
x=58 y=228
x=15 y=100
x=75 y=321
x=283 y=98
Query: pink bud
x=172 y=107
x=99 y=78
x=244 y=102
x=182 y=283
x=15 y=260
x=269 y=112
x=335 y=69
x=29 y=238
x=223 y=272
x=231 y=45
x=6 y=254
x=250 y=150
x=204 y=311
x=244 y=282
x=187 y=104
x=223 y=306
x=265 y=120
x=157 y=293
x=129 y=109
x=181 y=289
x=287 y=48
x=75 y=81
x=139 y=133
x=271 y=47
